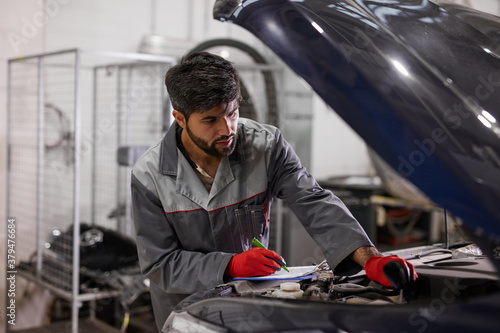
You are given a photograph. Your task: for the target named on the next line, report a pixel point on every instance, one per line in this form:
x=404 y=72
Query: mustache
x=226 y=137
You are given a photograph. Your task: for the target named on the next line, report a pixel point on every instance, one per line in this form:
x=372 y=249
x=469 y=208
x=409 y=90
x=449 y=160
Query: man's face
x=215 y=131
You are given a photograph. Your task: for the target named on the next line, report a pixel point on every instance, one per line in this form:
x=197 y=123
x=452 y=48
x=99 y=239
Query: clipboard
x=296 y=273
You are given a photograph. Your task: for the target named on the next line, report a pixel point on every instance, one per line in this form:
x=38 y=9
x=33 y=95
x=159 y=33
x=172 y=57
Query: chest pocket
x=251 y=220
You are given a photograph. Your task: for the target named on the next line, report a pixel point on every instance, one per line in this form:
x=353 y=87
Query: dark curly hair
x=200 y=82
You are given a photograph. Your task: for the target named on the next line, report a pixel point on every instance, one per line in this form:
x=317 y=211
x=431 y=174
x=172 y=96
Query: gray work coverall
x=186 y=236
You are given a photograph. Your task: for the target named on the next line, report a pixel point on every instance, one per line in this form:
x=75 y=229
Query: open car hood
x=419 y=81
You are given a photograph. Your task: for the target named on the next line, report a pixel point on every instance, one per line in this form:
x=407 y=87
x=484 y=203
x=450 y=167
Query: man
x=202 y=193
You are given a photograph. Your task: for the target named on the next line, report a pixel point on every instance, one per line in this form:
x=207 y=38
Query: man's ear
x=179 y=117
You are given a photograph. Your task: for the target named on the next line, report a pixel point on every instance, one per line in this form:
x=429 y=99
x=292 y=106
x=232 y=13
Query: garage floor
x=84 y=326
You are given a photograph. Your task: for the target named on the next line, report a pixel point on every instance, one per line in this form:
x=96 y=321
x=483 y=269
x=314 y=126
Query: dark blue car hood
x=419 y=81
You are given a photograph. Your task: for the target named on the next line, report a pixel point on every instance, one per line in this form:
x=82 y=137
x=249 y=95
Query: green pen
x=256 y=242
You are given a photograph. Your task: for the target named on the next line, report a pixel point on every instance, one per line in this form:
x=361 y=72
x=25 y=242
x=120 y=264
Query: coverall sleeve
x=324 y=216
x=160 y=257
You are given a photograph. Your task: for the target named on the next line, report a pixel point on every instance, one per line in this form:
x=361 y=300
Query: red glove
x=391 y=271
x=254 y=262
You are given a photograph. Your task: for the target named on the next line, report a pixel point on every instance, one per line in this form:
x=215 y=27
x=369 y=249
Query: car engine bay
x=449 y=274
x=454 y=282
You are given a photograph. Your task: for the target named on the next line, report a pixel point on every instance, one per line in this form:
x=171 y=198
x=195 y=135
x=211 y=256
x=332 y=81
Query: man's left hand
x=391 y=271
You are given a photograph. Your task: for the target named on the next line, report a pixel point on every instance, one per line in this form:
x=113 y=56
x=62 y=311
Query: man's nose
x=225 y=126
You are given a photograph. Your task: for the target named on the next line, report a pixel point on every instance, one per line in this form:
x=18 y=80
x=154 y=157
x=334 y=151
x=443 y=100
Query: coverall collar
x=169 y=152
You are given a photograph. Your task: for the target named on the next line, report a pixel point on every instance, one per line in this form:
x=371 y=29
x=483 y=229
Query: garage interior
x=83 y=97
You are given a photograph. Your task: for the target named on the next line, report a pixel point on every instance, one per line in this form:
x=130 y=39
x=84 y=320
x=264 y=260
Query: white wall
x=488 y=6
x=13 y=18
x=337 y=150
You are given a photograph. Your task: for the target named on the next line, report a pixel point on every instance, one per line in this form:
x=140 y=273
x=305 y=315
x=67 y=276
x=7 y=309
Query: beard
x=211 y=149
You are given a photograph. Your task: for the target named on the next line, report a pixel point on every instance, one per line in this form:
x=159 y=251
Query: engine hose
x=353 y=289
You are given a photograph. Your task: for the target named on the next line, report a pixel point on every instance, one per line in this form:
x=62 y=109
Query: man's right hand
x=254 y=262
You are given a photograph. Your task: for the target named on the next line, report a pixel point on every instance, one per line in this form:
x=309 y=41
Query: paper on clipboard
x=296 y=273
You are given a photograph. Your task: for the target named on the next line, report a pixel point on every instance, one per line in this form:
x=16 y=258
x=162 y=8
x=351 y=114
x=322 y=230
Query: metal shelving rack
x=68 y=113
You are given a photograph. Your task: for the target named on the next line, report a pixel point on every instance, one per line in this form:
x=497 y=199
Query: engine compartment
x=456 y=288
x=445 y=276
